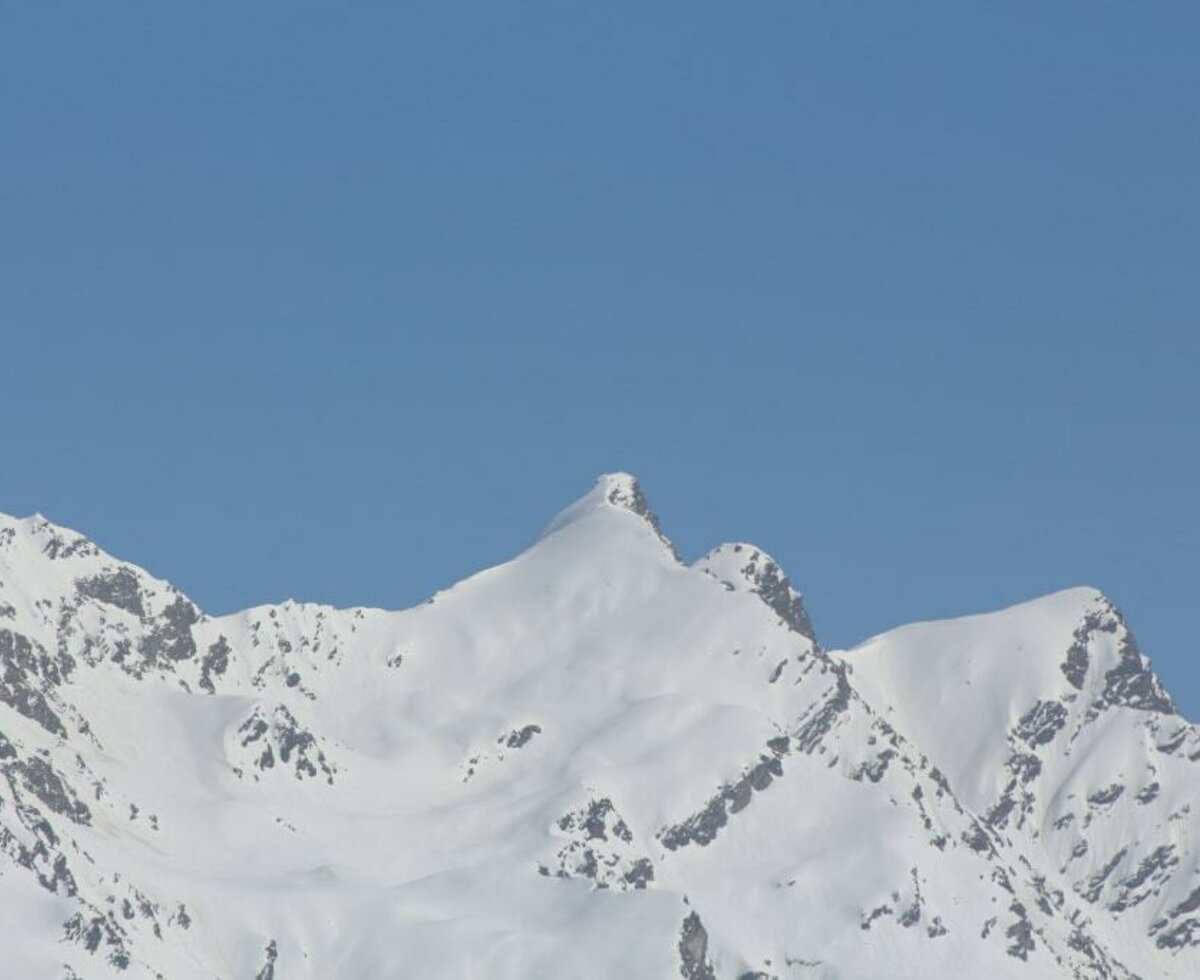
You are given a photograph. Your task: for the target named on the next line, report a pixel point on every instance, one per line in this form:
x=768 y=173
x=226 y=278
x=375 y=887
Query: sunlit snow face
x=592 y=761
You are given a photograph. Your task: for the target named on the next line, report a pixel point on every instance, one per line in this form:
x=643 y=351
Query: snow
x=591 y=761
x=956 y=684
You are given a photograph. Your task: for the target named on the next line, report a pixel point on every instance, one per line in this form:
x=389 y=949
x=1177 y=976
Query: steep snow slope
x=1049 y=722
x=592 y=761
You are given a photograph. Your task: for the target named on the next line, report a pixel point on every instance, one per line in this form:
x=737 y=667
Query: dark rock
x=977 y=839
x=520 y=737
x=1075 y=666
x=295 y=744
x=1095 y=884
x=773 y=587
x=58 y=545
x=1106 y=796
x=39 y=777
x=599 y=849
x=99 y=929
x=693 y=950
x=632 y=499
x=215 y=662
x=1174 y=740
x=27 y=674
x=170 y=638
x=1153 y=867
x=813 y=731
x=779 y=745
x=268 y=968
x=1189 y=904
x=875 y=768
x=876 y=913
x=702 y=827
x=1021 y=933
x=1041 y=723
x=595 y=820
x=117 y=587
x=1133 y=684
x=1024 y=766
x=1184 y=933
x=640 y=874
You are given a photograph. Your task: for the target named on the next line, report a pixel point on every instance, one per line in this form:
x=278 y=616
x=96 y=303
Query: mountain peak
x=588 y=721
x=612 y=491
x=622 y=490
x=52 y=540
x=743 y=567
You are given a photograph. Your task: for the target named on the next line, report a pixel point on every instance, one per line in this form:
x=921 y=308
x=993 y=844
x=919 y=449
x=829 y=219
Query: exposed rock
x=278 y=732
x=703 y=826
x=1095 y=884
x=520 y=737
x=117 y=587
x=268 y=968
x=1106 y=796
x=214 y=664
x=170 y=636
x=1133 y=684
x=93 y=929
x=599 y=846
x=1041 y=723
x=1154 y=869
x=811 y=733
x=1020 y=932
x=693 y=950
x=624 y=491
x=27 y=675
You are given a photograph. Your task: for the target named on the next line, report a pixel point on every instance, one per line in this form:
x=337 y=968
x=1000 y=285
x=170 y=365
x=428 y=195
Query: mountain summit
x=592 y=761
x=613 y=491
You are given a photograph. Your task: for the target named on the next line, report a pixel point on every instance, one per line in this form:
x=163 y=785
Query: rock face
x=592 y=761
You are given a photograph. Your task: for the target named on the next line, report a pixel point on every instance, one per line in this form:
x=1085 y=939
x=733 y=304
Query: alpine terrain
x=594 y=761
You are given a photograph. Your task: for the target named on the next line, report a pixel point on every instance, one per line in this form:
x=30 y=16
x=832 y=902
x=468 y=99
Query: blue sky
x=343 y=302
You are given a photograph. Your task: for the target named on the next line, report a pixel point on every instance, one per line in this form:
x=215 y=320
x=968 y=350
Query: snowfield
x=593 y=761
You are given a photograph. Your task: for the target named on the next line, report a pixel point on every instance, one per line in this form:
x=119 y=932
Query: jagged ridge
x=592 y=761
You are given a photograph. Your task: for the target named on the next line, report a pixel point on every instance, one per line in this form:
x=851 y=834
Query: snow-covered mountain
x=592 y=761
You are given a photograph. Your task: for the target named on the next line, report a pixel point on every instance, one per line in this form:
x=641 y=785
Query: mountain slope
x=1050 y=723
x=592 y=761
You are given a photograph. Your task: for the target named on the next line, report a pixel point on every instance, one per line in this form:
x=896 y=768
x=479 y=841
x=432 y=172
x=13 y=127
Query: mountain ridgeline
x=593 y=761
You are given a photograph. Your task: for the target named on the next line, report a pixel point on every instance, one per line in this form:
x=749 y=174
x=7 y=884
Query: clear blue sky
x=343 y=301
